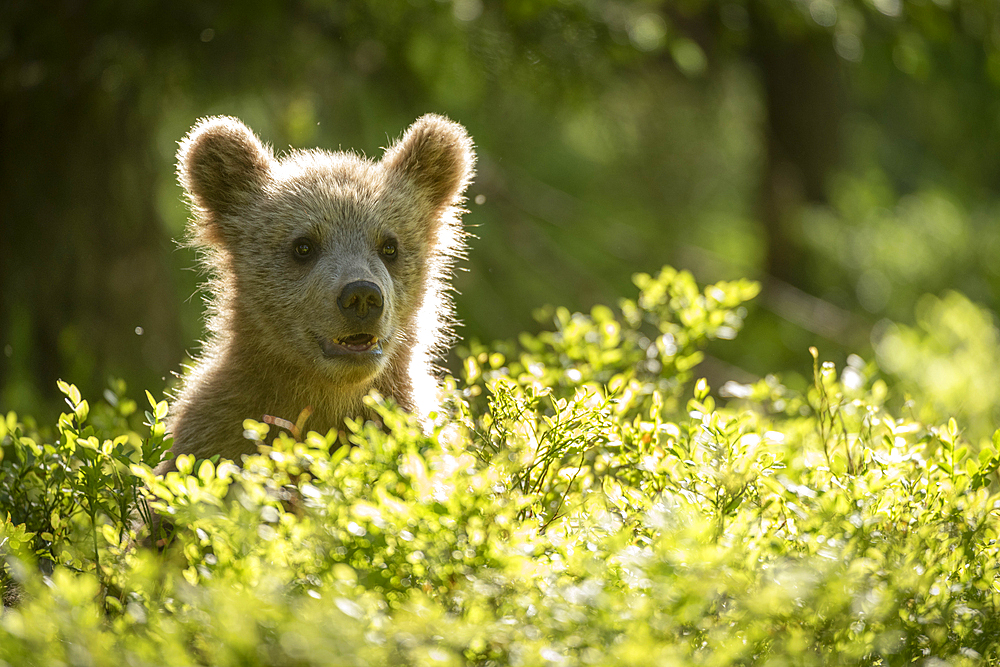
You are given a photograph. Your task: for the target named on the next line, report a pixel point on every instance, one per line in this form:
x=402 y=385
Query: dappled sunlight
x=784 y=451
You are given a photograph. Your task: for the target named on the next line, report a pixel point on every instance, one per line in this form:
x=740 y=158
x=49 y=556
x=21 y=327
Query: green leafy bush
x=584 y=501
x=947 y=361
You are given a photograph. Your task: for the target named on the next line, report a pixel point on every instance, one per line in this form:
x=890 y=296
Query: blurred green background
x=845 y=153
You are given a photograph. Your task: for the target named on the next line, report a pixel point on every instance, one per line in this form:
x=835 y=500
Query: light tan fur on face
x=273 y=315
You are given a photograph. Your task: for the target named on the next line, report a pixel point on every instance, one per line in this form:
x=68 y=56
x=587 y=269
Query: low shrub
x=582 y=500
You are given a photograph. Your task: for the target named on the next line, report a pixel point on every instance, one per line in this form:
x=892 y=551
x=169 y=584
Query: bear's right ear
x=222 y=165
x=437 y=155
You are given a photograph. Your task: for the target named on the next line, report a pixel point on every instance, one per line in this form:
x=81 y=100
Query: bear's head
x=327 y=262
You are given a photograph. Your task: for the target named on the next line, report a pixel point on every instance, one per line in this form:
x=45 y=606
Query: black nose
x=361 y=301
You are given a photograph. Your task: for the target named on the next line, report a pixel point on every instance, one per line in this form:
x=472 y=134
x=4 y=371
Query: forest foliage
x=799 y=468
x=579 y=501
x=843 y=153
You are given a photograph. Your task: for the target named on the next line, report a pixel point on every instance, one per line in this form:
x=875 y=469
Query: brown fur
x=272 y=315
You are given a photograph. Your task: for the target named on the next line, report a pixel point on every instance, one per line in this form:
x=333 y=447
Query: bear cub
x=329 y=278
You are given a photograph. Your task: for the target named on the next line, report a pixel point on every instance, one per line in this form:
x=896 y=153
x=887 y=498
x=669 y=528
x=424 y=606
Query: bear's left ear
x=435 y=154
x=223 y=166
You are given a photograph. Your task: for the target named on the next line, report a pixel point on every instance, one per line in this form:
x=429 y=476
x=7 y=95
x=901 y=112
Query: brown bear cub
x=329 y=278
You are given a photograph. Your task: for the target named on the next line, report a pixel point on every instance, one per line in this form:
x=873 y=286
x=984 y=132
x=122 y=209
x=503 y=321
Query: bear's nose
x=361 y=301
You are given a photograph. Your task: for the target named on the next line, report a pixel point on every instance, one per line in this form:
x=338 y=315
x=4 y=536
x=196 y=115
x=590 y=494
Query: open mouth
x=361 y=343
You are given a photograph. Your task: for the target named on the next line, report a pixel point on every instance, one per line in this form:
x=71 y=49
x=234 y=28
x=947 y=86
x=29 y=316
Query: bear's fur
x=329 y=278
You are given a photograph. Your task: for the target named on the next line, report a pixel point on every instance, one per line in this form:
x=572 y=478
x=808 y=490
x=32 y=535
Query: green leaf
x=701 y=389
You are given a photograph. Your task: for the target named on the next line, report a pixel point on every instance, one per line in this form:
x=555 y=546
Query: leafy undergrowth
x=582 y=500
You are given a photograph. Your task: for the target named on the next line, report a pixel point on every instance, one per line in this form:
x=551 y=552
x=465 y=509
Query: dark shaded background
x=845 y=153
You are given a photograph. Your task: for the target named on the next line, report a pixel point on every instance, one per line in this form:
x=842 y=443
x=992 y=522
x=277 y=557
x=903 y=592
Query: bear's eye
x=302 y=248
x=389 y=249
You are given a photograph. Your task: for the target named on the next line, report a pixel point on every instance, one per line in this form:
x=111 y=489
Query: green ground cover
x=583 y=498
